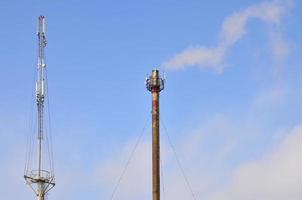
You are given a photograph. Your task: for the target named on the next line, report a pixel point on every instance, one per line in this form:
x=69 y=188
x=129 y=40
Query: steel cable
x=30 y=127
x=49 y=135
x=178 y=161
x=130 y=158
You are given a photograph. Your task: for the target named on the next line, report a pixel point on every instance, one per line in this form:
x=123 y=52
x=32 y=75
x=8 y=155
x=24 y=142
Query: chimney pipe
x=155 y=84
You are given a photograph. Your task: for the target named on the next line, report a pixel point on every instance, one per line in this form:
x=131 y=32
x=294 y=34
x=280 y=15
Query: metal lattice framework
x=40 y=180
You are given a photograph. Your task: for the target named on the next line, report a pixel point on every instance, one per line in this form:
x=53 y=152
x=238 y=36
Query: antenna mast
x=155 y=84
x=39 y=179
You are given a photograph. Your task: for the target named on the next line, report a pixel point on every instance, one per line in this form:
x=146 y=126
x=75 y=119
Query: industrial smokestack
x=155 y=84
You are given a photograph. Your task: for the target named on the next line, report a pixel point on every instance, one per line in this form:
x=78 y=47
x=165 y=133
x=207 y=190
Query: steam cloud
x=232 y=30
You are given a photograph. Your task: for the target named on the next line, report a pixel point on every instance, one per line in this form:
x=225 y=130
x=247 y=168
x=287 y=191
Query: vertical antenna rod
x=40 y=180
x=155 y=84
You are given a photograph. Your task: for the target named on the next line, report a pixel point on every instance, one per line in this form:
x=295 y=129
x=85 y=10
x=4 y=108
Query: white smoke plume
x=232 y=30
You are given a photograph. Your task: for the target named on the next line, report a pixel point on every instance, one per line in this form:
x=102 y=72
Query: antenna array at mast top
x=41 y=24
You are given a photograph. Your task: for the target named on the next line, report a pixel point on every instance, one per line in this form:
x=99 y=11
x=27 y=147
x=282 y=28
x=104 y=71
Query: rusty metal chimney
x=155 y=84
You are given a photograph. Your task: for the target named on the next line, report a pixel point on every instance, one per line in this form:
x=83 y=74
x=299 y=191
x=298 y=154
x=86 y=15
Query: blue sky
x=231 y=102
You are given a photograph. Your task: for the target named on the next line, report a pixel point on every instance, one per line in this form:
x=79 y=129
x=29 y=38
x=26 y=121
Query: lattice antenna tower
x=40 y=179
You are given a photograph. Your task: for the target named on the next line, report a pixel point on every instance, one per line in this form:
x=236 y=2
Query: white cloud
x=277 y=176
x=196 y=156
x=207 y=154
x=280 y=48
x=232 y=30
x=136 y=180
x=274 y=177
x=269 y=98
